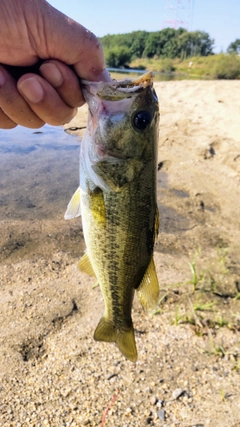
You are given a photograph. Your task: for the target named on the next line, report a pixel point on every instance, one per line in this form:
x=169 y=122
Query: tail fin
x=124 y=339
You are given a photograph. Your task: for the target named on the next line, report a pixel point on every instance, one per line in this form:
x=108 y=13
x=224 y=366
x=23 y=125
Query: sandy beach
x=188 y=371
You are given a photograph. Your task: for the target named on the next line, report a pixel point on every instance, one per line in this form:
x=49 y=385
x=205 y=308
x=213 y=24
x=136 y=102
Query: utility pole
x=177 y=14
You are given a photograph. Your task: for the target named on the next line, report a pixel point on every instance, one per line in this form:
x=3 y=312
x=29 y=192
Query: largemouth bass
x=117 y=201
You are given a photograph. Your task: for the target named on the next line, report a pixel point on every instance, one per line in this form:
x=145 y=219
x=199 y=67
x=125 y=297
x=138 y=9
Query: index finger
x=73 y=44
x=92 y=66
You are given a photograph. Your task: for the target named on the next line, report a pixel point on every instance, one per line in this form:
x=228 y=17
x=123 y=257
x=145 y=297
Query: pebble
x=159 y=403
x=128 y=411
x=161 y=414
x=153 y=400
x=177 y=393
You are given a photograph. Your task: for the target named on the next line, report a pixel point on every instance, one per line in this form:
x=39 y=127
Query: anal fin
x=148 y=290
x=124 y=339
x=86 y=266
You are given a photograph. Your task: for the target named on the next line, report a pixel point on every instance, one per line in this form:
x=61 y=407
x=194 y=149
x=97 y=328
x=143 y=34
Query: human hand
x=31 y=30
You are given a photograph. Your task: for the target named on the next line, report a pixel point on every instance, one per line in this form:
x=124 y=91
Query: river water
x=119 y=73
x=37 y=169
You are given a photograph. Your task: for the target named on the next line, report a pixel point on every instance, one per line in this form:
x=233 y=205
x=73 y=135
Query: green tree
x=118 y=56
x=163 y=43
x=234 y=47
x=152 y=45
x=137 y=43
x=197 y=43
x=203 y=43
x=169 y=42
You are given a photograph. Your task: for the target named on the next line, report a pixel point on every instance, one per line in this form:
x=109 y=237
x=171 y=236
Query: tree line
x=121 y=49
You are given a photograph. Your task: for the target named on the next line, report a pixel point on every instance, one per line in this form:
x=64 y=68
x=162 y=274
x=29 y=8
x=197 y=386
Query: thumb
x=70 y=42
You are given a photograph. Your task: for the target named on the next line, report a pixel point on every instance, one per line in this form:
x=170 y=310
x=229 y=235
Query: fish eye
x=142 y=119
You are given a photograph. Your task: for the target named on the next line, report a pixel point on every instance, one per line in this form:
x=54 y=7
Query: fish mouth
x=117 y=90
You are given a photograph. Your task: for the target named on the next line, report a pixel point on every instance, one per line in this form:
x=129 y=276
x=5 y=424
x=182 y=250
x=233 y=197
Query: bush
x=226 y=67
x=166 y=66
x=117 y=57
x=234 y=47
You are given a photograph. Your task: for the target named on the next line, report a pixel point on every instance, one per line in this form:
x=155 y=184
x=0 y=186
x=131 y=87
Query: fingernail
x=2 y=77
x=32 y=90
x=52 y=74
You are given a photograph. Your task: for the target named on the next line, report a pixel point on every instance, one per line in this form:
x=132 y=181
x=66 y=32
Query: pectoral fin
x=117 y=174
x=73 y=208
x=124 y=339
x=86 y=266
x=148 y=290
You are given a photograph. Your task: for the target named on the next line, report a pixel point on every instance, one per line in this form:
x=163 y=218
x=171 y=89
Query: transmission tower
x=177 y=14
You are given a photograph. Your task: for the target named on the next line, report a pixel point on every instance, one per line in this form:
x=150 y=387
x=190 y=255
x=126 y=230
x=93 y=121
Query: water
x=37 y=169
x=39 y=172
x=119 y=74
x=23 y=141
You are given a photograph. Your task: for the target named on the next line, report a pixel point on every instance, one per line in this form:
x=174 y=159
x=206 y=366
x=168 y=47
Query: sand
x=188 y=372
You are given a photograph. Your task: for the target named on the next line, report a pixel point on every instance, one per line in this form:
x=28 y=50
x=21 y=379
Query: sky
x=219 y=18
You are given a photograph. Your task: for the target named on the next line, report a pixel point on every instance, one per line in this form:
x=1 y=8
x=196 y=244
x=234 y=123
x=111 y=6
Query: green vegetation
x=118 y=56
x=207 y=301
x=168 y=43
x=220 y=66
x=196 y=278
x=172 y=51
x=234 y=47
x=227 y=67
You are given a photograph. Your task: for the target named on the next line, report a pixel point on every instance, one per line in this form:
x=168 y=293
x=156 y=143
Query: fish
x=117 y=201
